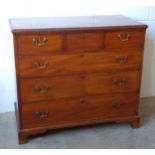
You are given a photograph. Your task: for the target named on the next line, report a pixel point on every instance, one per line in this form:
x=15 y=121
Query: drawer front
x=60 y=112
x=84 y=41
x=124 y=39
x=118 y=82
x=50 y=88
x=78 y=85
x=39 y=44
x=35 y=66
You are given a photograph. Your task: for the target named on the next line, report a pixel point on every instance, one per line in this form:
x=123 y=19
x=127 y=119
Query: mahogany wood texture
x=75 y=71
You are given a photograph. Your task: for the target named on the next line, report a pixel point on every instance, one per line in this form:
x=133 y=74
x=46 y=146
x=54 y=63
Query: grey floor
x=105 y=136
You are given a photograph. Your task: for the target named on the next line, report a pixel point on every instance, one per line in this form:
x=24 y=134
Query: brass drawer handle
x=124 y=36
x=39 y=41
x=41 y=66
x=42 y=91
x=41 y=114
x=120 y=82
x=122 y=60
x=117 y=104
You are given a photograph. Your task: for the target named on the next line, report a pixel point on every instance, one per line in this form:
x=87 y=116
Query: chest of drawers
x=74 y=71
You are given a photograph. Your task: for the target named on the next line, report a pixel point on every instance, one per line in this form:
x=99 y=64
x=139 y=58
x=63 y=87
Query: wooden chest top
x=73 y=23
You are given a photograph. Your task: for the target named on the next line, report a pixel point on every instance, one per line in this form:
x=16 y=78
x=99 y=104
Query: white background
x=36 y=8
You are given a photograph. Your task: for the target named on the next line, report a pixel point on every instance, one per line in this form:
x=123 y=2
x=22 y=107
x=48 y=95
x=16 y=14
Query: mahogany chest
x=74 y=71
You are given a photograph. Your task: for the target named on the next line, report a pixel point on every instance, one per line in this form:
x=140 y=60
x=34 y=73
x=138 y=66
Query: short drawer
x=39 y=44
x=78 y=110
x=84 y=41
x=124 y=39
x=38 y=89
x=37 y=66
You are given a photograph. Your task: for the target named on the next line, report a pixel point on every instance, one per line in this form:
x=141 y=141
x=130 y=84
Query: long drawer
x=35 y=66
x=61 y=112
x=57 y=87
